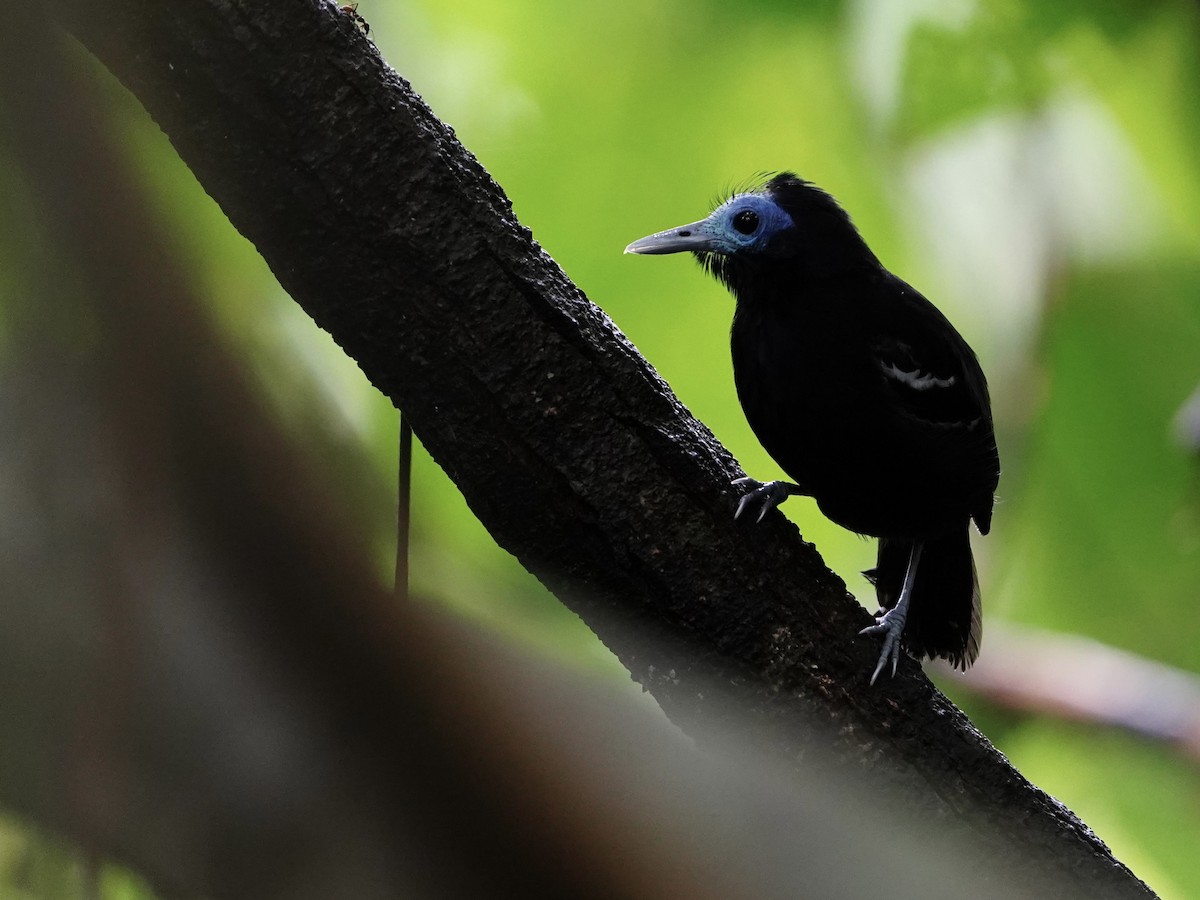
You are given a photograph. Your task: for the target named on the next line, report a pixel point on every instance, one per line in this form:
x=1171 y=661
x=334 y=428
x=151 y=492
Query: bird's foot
x=891 y=625
x=766 y=495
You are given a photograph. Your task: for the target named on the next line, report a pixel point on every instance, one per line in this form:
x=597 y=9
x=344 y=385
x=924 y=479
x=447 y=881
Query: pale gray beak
x=697 y=236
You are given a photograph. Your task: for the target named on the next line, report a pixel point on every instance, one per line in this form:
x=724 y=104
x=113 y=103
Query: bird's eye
x=746 y=221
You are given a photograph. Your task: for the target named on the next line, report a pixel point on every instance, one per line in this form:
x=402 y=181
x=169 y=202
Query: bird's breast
x=795 y=386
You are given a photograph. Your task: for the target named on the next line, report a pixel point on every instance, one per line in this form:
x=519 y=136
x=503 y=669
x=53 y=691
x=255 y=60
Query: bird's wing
x=929 y=372
x=932 y=379
x=927 y=381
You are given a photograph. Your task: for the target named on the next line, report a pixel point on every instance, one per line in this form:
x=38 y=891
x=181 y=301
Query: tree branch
x=1077 y=679
x=564 y=441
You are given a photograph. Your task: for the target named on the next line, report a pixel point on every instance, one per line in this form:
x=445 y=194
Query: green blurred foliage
x=1031 y=166
x=36 y=866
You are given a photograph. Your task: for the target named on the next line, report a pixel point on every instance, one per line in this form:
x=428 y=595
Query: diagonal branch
x=564 y=441
x=1034 y=672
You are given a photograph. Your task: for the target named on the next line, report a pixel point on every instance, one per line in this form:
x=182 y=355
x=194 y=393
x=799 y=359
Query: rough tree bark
x=564 y=441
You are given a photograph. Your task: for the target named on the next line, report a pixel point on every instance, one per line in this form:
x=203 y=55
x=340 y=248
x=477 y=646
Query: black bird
x=865 y=395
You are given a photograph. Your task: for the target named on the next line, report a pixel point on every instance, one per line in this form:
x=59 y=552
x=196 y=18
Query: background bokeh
x=1030 y=166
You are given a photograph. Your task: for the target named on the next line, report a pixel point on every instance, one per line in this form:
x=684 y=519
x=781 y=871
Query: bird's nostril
x=685 y=233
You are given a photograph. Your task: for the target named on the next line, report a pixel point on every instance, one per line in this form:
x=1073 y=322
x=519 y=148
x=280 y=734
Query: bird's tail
x=944 y=615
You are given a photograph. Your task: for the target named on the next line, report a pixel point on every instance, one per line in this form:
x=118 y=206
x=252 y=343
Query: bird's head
x=786 y=221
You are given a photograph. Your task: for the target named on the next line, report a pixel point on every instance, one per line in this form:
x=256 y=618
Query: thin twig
x=403 y=508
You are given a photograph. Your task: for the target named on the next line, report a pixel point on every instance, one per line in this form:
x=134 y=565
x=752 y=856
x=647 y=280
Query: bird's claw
x=891 y=626
x=767 y=495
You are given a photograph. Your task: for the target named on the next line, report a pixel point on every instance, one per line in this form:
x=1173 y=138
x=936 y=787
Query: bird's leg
x=891 y=623
x=767 y=495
